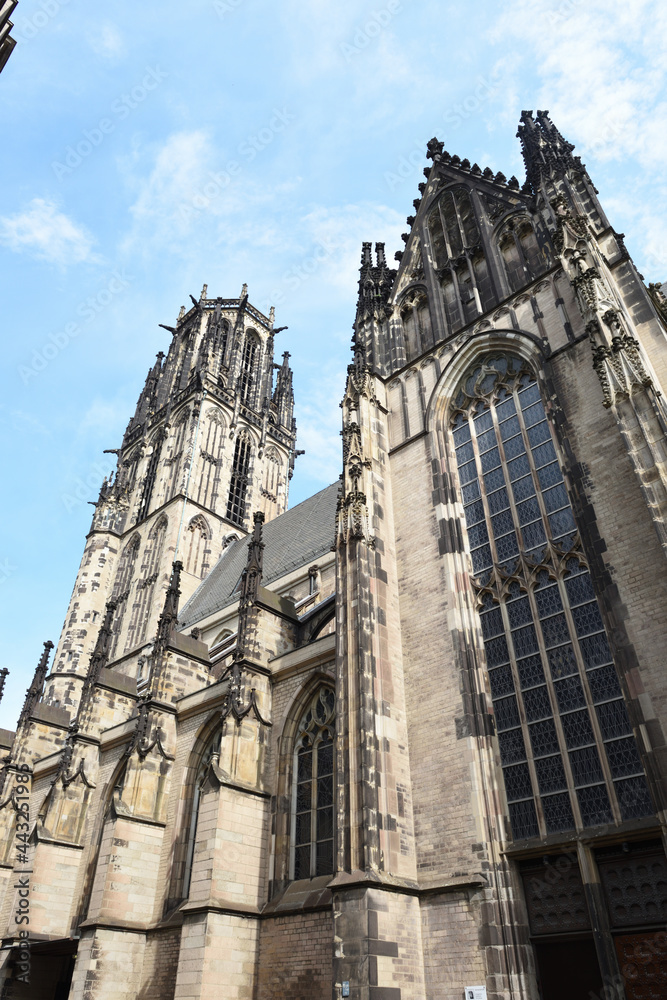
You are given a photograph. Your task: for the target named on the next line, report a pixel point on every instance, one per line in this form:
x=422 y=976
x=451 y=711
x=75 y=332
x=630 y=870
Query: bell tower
x=212 y=438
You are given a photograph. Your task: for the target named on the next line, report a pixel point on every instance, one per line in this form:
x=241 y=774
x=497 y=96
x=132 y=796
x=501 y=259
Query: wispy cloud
x=106 y=41
x=45 y=233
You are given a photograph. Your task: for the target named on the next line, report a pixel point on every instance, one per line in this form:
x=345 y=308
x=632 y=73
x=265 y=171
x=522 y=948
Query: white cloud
x=47 y=234
x=106 y=41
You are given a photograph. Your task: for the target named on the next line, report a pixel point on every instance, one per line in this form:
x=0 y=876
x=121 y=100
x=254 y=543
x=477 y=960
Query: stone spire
x=545 y=152
x=169 y=615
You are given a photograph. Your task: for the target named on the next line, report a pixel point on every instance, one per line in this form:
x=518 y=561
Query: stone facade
x=406 y=739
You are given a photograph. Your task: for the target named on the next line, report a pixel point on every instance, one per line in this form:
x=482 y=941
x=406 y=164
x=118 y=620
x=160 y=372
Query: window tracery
x=121 y=588
x=146 y=585
x=521 y=253
x=175 y=460
x=312 y=836
x=249 y=362
x=567 y=749
x=197 y=560
x=238 y=485
x=210 y=456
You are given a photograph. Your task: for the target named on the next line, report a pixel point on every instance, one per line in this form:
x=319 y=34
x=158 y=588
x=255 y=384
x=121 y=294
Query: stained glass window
x=313 y=790
x=567 y=750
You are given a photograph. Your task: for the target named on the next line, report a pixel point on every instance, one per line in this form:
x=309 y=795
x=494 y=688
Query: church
x=407 y=739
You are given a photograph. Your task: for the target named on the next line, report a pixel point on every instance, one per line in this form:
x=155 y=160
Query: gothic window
x=520 y=252
x=567 y=749
x=121 y=588
x=238 y=486
x=272 y=467
x=146 y=585
x=458 y=258
x=313 y=790
x=176 y=458
x=212 y=752
x=211 y=446
x=249 y=362
x=416 y=320
x=151 y=474
x=198 y=547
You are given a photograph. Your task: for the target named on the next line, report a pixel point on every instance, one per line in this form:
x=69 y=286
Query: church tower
x=212 y=438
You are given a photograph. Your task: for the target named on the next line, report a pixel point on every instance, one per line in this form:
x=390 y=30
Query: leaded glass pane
x=465 y=453
x=595 y=651
x=498 y=501
x=470 y=492
x=523 y=819
x=529 y=394
x=517 y=782
x=549 y=476
x=634 y=797
x=496 y=651
x=550 y=774
x=514 y=447
x=494 y=480
x=506 y=409
x=492 y=623
x=474 y=513
x=532 y=414
x=303 y=796
x=507 y=713
x=603 y=683
x=501 y=681
x=530 y=671
x=577 y=729
x=324 y=858
x=525 y=641
x=302 y=862
x=512 y=747
x=486 y=440
x=528 y=511
x=538 y=434
x=613 y=719
x=533 y=534
x=623 y=758
x=555 y=630
x=586 y=768
x=483 y=421
x=543 y=738
x=557 y=813
x=569 y=693
x=507 y=546
x=594 y=805
x=561 y=522
x=548 y=601
x=509 y=427
x=518 y=467
x=481 y=558
x=555 y=498
x=544 y=454
x=579 y=589
x=502 y=523
x=562 y=661
x=462 y=433
x=313 y=816
x=523 y=488
x=478 y=535
x=537 y=704
x=587 y=618
x=468 y=472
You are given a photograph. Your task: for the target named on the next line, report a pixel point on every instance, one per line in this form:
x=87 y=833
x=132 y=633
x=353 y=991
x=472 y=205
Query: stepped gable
x=300 y=535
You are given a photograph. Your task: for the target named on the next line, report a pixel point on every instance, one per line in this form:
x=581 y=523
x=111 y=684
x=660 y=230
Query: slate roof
x=299 y=536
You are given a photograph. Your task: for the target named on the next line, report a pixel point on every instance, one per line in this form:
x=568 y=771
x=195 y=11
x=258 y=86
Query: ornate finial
x=434 y=148
x=204 y=292
x=98 y=659
x=272 y=314
x=34 y=692
x=366 y=257
x=379 y=253
x=252 y=574
x=244 y=291
x=3 y=678
x=181 y=313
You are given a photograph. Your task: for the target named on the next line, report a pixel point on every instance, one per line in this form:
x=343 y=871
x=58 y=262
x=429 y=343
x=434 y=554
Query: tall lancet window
x=195 y=836
x=248 y=365
x=210 y=459
x=198 y=542
x=121 y=589
x=176 y=458
x=313 y=790
x=137 y=630
x=567 y=749
x=238 y=486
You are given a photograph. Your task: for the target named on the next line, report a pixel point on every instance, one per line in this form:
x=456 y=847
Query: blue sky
x=149 y=148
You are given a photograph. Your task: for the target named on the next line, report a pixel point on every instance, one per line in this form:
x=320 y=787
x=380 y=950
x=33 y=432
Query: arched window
x=416 y=319
x=211 y=753
x=151 y=475
x=567 y=749
x=458 y=257
x=121 y=588
x=175 y=460
x=146 y=585
x=238 y=486
x=272 y=467
x=520 y=253
x=312 y=836
x=198 y=547
x=211 y=446
x=249 y=363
